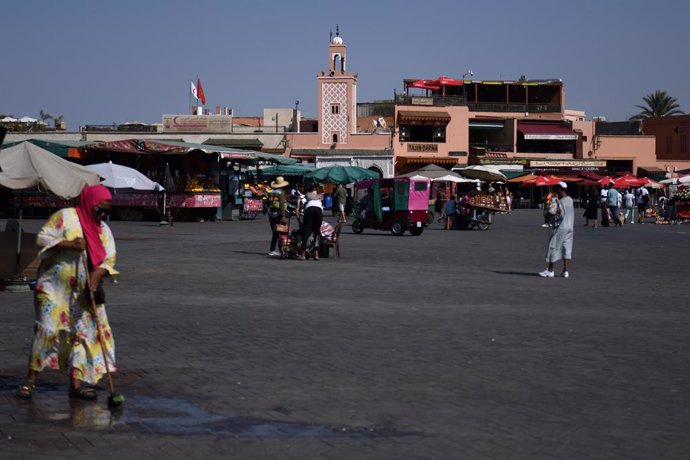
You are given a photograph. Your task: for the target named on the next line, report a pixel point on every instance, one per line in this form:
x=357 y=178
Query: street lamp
x=469 y=72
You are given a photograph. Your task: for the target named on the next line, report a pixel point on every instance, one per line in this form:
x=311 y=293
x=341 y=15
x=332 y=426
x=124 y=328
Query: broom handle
x=111 y=387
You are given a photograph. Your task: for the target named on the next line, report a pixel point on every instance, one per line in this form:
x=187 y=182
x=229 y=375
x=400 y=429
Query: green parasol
x=339 y=175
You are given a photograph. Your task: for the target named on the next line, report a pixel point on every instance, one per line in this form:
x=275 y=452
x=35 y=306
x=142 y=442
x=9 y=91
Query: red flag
x=200 y=92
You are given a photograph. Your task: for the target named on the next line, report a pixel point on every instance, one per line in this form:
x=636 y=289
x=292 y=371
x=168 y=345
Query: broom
x=114 y=400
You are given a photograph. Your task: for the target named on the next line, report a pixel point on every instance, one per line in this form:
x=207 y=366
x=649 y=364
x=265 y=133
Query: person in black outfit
x=311 y=225
x=592 y=206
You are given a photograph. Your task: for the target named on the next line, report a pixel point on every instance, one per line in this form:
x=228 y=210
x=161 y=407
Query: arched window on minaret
x=337 y=59
x=335 y=138
x=342 y=64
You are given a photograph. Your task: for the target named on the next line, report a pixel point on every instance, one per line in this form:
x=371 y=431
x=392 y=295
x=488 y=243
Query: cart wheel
x=483 y=225
x=357 y=226
x=397 y=228
x=416 y=231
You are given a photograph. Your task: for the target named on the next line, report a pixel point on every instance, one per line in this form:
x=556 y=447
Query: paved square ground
x=445 y=345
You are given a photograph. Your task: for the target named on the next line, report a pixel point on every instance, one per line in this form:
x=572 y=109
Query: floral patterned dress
x=65 y=335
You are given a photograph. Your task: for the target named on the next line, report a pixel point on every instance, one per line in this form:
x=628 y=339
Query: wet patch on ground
x=166 y=416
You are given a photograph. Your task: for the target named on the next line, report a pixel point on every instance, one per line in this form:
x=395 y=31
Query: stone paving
x=445 y=345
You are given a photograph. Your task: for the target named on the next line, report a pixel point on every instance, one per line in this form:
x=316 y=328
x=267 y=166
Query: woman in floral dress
x=65 y=334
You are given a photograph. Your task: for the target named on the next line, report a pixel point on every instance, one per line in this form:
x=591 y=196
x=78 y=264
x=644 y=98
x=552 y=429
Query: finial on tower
x=337 y=40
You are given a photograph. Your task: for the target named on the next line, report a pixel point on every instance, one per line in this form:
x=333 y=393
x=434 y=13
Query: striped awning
x=421 y=116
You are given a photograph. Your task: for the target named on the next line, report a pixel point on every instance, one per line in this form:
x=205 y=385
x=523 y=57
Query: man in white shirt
x=629 y=200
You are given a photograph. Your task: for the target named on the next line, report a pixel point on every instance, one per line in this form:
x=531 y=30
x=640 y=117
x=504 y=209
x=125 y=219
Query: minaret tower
x=337 y=96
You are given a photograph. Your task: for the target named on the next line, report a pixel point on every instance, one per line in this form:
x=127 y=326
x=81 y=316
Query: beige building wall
x=638 y=149
x=378 y=141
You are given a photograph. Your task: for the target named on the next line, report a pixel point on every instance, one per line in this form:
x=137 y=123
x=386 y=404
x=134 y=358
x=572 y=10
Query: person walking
x=560 y=244
x=612 y=198
x=629 y=201
x=604 y=209
x=642 y=203
x=77 y=252
x=451 y=212
x=277 y=210
x=311 y=224
x=592 y=206
x=340 y=198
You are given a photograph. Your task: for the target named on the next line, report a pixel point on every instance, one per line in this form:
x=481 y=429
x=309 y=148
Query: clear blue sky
x=102 y=62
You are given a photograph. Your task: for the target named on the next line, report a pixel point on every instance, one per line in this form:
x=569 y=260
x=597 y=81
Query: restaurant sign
x=422 y=101
x=567 y=163
x=503 y=161
x=422 y=148
x=197 y=123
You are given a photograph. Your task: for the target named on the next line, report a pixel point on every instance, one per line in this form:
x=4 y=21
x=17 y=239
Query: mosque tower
x=337 y=96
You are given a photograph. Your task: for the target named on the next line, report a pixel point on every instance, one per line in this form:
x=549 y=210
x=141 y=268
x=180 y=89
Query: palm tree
x=59 y=121
x=45 y=116
x=658 y=104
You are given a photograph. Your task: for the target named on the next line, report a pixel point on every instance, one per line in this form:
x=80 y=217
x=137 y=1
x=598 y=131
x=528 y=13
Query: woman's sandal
x=84 y=392
x=25 y=390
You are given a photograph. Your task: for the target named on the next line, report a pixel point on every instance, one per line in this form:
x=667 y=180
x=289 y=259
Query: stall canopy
x=340 y=174
x=539 y=131
x=121 y=177
x=483 y=173
x=437 y=173
x=299 y=169
x=27 y=166
x=181 y=148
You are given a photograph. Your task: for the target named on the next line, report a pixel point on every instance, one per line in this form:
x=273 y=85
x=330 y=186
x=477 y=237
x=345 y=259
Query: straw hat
x=280 y=182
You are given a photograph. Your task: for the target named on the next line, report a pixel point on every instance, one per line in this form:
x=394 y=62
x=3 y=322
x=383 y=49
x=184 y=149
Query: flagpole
x=190 y=100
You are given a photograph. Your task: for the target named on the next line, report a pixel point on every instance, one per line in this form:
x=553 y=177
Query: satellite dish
x=382 y=122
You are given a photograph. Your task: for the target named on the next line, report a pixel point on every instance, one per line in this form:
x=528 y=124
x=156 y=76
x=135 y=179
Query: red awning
x=539 y=131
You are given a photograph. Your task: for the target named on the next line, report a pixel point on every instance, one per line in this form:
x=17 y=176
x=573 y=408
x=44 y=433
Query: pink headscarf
x=90 y=197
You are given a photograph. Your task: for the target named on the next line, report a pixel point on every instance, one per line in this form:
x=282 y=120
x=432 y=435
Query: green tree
x=658 y=104
x=45 y=116
x=58 y=121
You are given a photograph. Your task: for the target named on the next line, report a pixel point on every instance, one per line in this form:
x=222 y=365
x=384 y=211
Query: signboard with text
x=197 y=123
x=422 y=147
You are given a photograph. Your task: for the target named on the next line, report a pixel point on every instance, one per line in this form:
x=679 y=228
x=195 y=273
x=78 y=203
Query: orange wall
x=457 y=139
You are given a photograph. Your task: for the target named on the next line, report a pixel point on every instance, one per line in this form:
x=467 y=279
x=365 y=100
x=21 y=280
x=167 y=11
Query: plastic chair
x=334 y=240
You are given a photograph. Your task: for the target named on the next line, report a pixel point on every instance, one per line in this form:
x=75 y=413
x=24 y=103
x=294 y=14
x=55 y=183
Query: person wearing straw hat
x=277 y=207
x=560 y=244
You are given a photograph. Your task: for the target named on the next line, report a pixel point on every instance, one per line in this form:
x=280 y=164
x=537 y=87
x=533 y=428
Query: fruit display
x=196 y=185
x=488 y=200
x=682 y=193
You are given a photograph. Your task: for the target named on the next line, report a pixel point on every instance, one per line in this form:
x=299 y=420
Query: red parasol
x=628 y=181
x=605 y=180
x=446 y=81
x=424 y=84
x=542 y=181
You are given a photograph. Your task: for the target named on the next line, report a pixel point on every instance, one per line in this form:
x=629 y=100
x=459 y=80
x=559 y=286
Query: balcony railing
x=492 y=147
x=503 y=107
x=441 y=101
x=435 y=100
